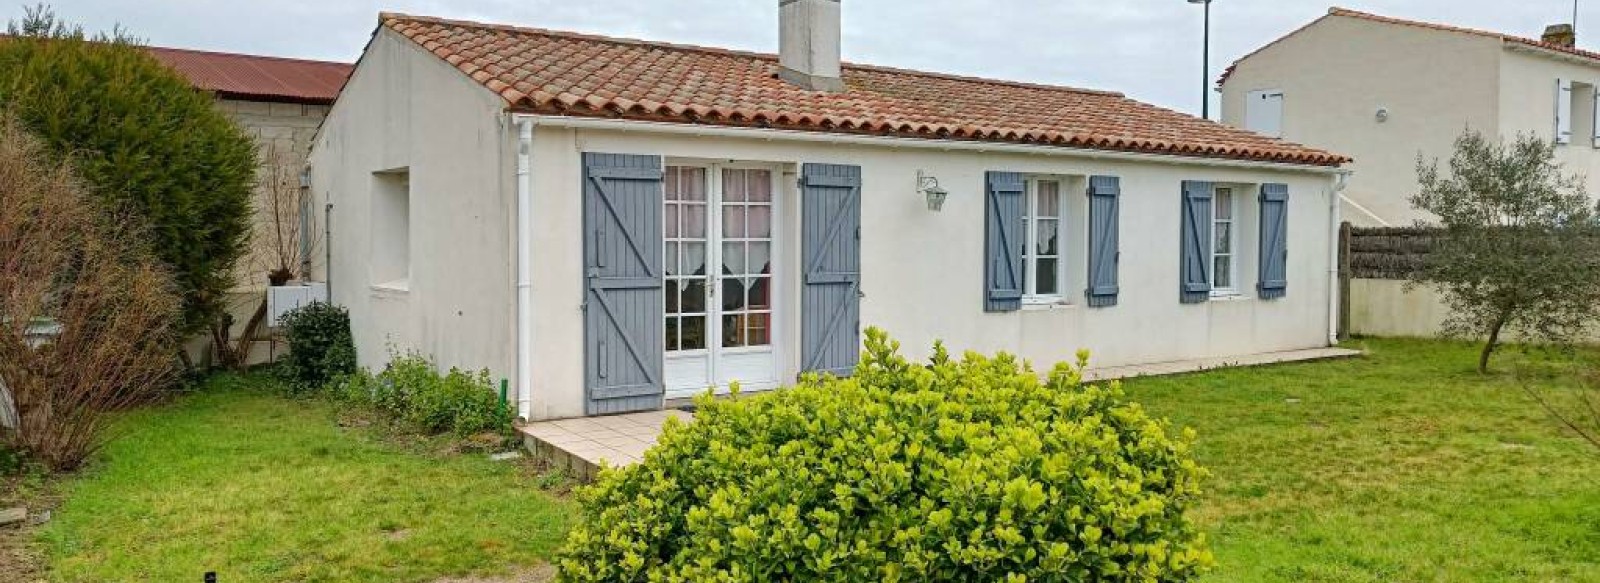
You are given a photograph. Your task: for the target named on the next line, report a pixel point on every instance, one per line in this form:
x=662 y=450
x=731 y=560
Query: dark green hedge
x=149 y=144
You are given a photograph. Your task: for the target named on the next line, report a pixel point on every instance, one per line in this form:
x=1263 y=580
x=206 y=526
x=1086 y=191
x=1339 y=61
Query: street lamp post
x=1205 y=63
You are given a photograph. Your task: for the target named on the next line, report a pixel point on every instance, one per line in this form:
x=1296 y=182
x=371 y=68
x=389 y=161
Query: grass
x=256 y=487
x=1404 y=465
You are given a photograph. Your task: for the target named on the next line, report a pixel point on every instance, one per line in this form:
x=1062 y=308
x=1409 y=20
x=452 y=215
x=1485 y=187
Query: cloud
x=1148 y=49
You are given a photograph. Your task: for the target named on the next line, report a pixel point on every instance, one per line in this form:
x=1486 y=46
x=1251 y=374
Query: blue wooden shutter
x=1103 y=251
x=623 y=311
x=1002 y=244
x=1194 y=277
x=1273 y=276
x=830 y=300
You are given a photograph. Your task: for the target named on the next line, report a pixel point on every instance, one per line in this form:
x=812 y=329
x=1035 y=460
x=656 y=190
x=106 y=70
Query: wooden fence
x=1389 y=253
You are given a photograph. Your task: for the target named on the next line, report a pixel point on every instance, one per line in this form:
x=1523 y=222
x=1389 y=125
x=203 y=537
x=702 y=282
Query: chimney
x=808 y=38
x=1560 y=35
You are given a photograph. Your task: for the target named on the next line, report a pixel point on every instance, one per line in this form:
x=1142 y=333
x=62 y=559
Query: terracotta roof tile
x=564 y=73
x=1348 y=13
x=258 y=77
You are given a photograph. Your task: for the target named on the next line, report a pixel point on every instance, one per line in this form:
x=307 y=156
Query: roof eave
x=1326 y=163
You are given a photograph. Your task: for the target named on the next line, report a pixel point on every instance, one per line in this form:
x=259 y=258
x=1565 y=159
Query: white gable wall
x=1528 y=104
x=922 y=271
x=1337 y=73
x=405 y=108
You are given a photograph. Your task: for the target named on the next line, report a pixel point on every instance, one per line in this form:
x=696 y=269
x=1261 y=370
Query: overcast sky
x=1148 y=49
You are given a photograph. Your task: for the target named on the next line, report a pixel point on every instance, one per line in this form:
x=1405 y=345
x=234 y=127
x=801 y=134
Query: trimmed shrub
x=411 y=388
x=145 y=141
x=956 y=471
x=320 y=346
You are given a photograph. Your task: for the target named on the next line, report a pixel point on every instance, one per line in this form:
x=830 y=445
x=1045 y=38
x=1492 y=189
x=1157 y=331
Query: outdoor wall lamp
x=929 y=187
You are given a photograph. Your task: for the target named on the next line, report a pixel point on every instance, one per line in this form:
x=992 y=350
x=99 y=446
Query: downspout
x=524 y=266
x=327 y=249
x=1335 y=194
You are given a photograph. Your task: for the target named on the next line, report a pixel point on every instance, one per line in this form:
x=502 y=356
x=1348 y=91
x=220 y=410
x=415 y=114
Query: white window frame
x=1232 y=221
x=1030 y=265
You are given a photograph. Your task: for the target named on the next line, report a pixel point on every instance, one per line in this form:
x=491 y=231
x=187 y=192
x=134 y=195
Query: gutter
x=656 y=127
x=524 y=255
x=1335 y=195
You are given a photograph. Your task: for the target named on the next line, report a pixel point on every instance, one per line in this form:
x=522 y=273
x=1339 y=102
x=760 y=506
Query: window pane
x=669 y=220
x=733 y=222
x=672 y=294
x=669 y=259
x=732 y=294
x=694 y=332
x=1049 y=235
x=1223 y=202
x=1223 y=272
x=760 y=258
x=694 y=259
x=760 y=222
x=732 y=259
x=1049 y=199
x=694 y=296
x=759 y=186
x=1224 y=235
x=671 y=180
x=758 y=329
x=733 y=185
x=672 y=333
x=694 y=221
x=761 y=293
x=1049 y=279
x=692 y=184
x=732 y=331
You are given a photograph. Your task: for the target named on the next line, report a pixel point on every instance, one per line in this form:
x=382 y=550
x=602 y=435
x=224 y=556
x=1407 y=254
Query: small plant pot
x=279 y=277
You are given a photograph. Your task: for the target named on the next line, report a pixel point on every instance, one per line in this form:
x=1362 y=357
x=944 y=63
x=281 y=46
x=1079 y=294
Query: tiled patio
x=581 y=444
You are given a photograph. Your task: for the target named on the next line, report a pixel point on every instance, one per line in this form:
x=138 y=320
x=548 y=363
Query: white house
x=612 y=223
x=1384 y=90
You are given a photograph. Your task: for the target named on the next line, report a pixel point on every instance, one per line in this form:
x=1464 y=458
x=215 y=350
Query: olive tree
x=1516 y=248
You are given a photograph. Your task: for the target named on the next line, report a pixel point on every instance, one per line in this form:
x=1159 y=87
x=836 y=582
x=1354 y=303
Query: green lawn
x=1404 y=465
x=261 y=488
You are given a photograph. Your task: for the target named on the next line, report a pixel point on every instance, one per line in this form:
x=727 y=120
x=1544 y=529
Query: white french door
x=720 y=240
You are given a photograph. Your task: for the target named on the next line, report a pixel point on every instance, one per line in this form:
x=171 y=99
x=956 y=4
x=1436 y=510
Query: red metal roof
x=256 y=77
x=563 y=73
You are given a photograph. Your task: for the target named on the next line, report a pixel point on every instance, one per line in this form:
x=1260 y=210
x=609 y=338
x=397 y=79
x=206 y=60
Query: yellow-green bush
x=970 y=470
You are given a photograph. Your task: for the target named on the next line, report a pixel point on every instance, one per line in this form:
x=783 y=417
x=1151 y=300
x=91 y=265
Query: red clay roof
x=1348 y=13
x=258 y=78
x=563 y=73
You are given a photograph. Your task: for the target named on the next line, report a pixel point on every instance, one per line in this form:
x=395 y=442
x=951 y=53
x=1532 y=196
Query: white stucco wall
x=1527 y=105
x=404 y=108
x=922 y=271
x=1338 y=72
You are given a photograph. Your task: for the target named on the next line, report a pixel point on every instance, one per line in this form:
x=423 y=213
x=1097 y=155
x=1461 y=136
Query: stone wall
x=283 y=130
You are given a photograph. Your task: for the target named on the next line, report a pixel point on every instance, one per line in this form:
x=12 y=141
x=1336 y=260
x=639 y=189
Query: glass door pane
x=746 y=270
x=686 y=274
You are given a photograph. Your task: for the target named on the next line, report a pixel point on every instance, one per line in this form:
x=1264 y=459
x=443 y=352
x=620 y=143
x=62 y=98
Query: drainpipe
x=327 y=249
x=524 y=256
x=1335 y=193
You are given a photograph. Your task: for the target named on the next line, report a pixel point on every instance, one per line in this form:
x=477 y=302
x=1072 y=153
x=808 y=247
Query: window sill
x=401 y=287
x=1046 y=304
x=1229 y=296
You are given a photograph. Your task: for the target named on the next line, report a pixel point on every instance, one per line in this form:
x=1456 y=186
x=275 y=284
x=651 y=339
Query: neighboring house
x=281 y=103
x=614 y=224
x=1384 y=90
